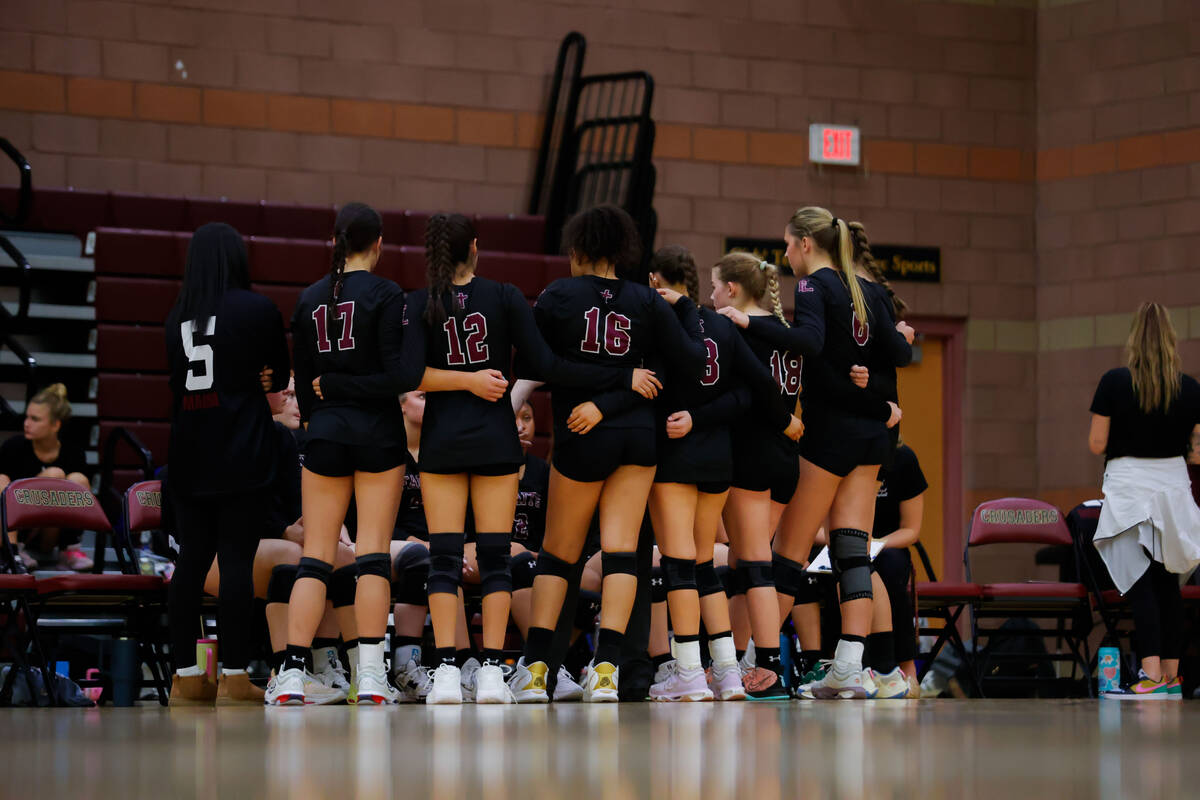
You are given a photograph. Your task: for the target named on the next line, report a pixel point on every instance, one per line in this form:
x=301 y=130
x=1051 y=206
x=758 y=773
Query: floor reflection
x=845 y=750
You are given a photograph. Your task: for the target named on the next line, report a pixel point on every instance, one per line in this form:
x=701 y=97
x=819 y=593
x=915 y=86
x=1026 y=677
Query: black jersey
x=529 y=522
x=358 y=359
x=223 y=439
x=766 y=339
x=285 y=492
x=410 y=518
x=596 y=320
x=485 y=320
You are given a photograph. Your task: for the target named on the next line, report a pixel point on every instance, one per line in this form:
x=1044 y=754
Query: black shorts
x=700 y=458
x=840 y=455
x=336 y=460
x=596 y=455
x=485 y=470
x=773 y=467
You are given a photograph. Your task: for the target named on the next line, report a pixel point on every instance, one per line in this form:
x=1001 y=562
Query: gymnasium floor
x=1011 y=749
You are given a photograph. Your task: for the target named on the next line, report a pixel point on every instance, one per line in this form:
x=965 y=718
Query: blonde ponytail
x=833 y=236
x=772 y=273
x=845 y=256
x=54 y=398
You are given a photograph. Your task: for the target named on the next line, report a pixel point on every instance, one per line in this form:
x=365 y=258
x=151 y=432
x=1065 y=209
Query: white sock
x=321 y=658
x=673 y=654
x=848 y=656
x=404 y=655
x=228 y=672
x=687 y=654
x=352 y=654
x=370 y=655
x=723 y=652
x=190 y=672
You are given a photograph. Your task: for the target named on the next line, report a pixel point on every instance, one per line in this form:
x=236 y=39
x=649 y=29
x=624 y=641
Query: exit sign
x=834 y=144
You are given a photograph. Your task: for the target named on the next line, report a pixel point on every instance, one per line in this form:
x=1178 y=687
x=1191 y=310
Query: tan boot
x=238 y=690
x=189 y=690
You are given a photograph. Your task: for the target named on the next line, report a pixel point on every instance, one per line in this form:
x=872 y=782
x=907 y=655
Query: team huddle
x=745 y=439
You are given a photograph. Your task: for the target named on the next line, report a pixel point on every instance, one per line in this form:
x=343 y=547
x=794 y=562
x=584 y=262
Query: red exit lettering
x=836 y=145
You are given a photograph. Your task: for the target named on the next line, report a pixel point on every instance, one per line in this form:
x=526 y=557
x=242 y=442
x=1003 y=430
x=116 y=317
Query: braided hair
x=866 y=259
x=448 y=239
x=755 y=276
x=677 y=267
x=357 y=227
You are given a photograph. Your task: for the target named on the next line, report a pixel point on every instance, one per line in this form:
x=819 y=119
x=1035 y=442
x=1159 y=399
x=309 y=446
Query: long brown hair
x=448 y=239
x=1153 y=359
x=677 y=267
x=866 y=259
x=754 y=275
x=833 y=236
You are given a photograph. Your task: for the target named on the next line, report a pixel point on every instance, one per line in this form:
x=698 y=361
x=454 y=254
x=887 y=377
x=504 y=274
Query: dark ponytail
x=448 y=239
x=677 y=267
x=357 y=227
x=863 y=256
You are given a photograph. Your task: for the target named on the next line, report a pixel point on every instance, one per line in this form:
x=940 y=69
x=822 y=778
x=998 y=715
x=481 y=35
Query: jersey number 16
x=616 y=332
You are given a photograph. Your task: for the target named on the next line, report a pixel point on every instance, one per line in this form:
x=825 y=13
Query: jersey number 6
x=616 y=333
x=475 y=327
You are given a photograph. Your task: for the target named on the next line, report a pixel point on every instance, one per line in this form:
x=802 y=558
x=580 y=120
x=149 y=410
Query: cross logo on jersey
x=606 y=294
x=701 y=321
x=462 y=299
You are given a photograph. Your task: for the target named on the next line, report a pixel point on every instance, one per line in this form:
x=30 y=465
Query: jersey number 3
x=616 y=332
x=475 y=327
x=345 y=313
x=712 y=364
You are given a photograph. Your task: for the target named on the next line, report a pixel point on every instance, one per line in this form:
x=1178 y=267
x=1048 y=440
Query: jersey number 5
x=345 y=313
x=198 y=354
x=616 y=332
x=475 y=327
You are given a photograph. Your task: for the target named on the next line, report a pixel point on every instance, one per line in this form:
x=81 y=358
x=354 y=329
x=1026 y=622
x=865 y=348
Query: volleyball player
x=601 y=461
x=470 y=450
x=843 y=451
x=692 y=482
x=223 y=452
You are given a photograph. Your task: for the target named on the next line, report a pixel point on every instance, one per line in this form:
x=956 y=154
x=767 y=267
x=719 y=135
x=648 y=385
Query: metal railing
x=25 y=192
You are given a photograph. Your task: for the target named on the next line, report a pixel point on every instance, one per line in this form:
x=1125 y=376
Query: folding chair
x=18 y=628
x=944 y=600
x=116 y=605
x=1015 y=520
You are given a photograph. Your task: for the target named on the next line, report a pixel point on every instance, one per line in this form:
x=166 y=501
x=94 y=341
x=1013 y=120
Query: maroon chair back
x=1018 y=520
x=51 y=503
x=143 y=506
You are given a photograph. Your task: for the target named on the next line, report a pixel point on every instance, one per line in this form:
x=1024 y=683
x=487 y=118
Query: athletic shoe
x=682 y=685
x=490 y=687
x=447 y=687
x=73 y=558
x=914 y=688
x=1175 y=688
x=373 y=687
x=1144 y=689
x=851 y=685
x=600 y=683
x=818 y=671
x=469 y=677
x=892 y=686
x=334 y=675
x=747 y=662
x=764 y=684
x=287 y=688
x=664 y=672
x=528 y=682
x=566 y=690
x=726 y=684
x=413 y=681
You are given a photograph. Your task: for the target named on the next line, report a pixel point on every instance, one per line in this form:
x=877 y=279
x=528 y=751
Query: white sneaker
x=286 y=689
x=600 y=684
x=413 y=681
x=566 y=690
x=850 y=685
x=334 y=676
x=469 y=678
x=749 y=660
x=373 y=687
x=664 y=671
x=490 y=687
x=892 y=686
x=447 y=687
x=528 y=683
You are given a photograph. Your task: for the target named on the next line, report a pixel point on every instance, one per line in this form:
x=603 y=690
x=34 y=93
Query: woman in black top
x=1145 y=418
x=223 y=451
x=39 y=453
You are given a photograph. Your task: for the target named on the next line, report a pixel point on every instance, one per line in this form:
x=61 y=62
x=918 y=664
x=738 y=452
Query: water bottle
x=126 y=667
x=1109 y=669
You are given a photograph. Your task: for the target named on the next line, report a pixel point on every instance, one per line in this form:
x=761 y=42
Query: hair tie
x=834 y=223
x=762 y=265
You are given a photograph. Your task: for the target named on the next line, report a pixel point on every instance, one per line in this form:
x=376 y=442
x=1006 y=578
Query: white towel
x=1148 y=508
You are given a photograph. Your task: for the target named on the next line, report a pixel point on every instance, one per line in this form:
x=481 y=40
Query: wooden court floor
x=1011 y=749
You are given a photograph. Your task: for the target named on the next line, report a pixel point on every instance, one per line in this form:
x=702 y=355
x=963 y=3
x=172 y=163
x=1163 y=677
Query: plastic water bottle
x=1109 y=669
x=125 y=669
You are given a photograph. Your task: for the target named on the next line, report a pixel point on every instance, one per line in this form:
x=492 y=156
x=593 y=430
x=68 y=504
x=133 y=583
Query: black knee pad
x=445 y=563
x=731 y=579
x=279 y=588
x=850 y=556
x=523 y=568
x=707 y=581
x=755 y=574
x=788 y=575
x=679 y=573
x=618 y=564
x=587 y=609
x=314 y=568
x=377 y=564
x=550 y=564
x=410 y=584
x=412 y=556
x=492 y=551
x=809 y=590
x=658 y=585
x=342 y=586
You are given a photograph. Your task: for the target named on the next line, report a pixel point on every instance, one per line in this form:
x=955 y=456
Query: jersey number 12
x=475 y=328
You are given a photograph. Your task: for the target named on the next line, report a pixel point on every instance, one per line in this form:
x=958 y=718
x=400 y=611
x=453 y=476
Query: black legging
x=228 y=528
x=1157 y=613
x=894 y=566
